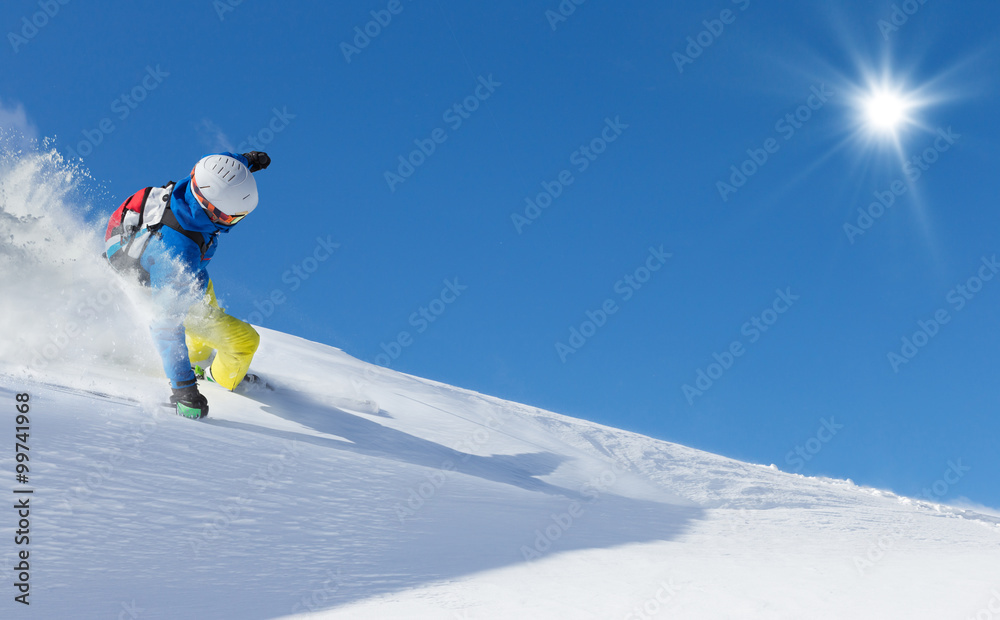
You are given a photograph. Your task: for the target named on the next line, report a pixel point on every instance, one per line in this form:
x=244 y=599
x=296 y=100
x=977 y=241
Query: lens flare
x=886 y=112
x=886 y=108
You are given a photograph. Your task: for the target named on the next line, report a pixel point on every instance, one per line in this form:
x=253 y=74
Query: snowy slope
x=288 y=502
x=358 y=492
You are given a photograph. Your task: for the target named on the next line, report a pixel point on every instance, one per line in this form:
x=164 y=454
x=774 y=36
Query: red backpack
x=135 y=222
x=125 y=240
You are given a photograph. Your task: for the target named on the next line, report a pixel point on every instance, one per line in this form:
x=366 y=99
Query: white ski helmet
x=225 y=188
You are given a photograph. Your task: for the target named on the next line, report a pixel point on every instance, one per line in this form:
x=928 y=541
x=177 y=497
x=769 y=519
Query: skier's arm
x=175 y=288
x=258 y=160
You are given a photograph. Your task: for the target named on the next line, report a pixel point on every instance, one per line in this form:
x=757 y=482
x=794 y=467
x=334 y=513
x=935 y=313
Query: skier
x=166 y=236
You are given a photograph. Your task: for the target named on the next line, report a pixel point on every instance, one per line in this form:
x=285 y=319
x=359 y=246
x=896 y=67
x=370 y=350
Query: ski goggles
x=214 y=213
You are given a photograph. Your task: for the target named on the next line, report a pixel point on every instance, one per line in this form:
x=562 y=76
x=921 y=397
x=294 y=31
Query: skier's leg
x=235 y=342
x=198 y=350
x=198 y=322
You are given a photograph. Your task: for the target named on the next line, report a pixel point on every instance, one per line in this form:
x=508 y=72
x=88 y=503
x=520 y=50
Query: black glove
x=189 y=402
x=258 y=160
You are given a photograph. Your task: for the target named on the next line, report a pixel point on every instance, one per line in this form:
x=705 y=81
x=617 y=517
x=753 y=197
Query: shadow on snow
x=383 y=540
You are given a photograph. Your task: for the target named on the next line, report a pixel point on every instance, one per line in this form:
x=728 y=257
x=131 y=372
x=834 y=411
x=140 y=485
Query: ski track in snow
x=283 y=502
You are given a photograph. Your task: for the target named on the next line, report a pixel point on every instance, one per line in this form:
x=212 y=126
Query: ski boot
x=189 y=402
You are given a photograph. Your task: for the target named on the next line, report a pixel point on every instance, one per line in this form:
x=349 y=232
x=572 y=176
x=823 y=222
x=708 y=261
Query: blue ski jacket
x=178 y=276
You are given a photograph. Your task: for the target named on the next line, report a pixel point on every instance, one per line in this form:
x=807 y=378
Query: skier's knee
x=252 y=339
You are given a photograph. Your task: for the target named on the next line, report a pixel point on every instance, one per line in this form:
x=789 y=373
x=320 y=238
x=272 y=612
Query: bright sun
x=886 y=111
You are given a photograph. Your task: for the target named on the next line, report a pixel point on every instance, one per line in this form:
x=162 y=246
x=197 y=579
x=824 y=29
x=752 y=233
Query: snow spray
x=62 y=305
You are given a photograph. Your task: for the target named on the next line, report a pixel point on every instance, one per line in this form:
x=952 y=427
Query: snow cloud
x=213 y=137
x=967 y=504
x=15 y=126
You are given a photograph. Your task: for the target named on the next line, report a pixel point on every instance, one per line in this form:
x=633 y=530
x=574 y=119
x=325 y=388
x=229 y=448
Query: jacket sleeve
x=172 y=261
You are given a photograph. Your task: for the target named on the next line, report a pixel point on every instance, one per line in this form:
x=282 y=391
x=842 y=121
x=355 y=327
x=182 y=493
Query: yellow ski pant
x=207 y=328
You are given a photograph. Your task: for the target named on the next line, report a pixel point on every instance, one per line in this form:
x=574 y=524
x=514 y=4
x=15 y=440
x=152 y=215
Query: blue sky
x=621 y=129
